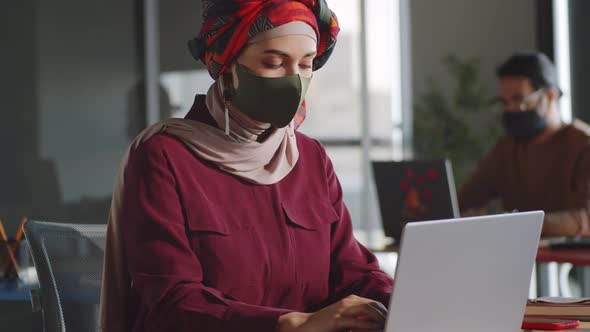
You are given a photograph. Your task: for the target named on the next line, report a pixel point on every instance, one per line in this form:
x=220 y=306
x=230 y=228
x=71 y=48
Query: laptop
x=414 y=190
x=467 y=274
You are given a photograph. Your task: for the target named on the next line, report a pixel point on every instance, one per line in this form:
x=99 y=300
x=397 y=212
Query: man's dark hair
x=535 y=66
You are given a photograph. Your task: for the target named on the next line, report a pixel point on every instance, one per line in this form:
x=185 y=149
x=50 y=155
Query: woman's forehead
x=292 y=46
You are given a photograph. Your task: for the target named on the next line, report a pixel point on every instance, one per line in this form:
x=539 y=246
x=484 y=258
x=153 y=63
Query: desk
x=16 y=290
x=576 y=256
x=15 y=307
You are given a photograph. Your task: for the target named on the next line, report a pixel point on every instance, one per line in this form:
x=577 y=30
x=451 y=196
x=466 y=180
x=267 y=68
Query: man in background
x=542 y=163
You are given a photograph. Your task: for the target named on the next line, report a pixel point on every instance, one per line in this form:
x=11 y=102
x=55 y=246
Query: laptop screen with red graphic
x=412 y=191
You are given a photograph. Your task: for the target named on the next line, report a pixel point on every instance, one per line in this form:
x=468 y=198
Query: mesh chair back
x=69 y=261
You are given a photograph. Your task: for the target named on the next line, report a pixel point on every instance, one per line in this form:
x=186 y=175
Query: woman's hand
x=351 y=313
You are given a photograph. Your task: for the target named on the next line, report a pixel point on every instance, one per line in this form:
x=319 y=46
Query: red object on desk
x=549 y=324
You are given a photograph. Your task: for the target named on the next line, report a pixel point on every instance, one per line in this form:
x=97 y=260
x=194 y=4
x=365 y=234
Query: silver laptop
x=467 y=274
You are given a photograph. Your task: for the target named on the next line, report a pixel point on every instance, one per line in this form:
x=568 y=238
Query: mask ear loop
x=225 y=95
x=226 y=111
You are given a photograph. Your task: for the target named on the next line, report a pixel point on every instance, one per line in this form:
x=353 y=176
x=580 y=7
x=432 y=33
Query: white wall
x=489 y=29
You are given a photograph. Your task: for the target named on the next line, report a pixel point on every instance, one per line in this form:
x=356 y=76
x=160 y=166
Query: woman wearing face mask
x=230 y=219
x=542 y=163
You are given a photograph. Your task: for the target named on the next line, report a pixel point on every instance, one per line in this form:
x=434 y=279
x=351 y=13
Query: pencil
x=21 y=231
x=8 y=248
x=19 y=236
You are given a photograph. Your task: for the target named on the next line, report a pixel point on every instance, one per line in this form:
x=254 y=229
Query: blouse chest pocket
x=213 y=218
x=310 y=215
x=208 y=220
x=309 y=226
x=226 y=248
x=208 y=228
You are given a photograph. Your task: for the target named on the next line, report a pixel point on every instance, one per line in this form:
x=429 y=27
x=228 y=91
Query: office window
x=561 y=27
x=336 y=110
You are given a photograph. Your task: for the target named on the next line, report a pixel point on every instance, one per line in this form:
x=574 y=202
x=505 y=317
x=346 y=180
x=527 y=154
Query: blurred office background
x=81 y=78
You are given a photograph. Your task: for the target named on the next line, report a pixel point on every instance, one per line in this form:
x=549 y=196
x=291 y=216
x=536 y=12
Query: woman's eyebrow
x=276 y=52
x=286 y=55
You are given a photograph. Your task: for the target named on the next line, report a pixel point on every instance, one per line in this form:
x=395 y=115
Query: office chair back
x=69 y=261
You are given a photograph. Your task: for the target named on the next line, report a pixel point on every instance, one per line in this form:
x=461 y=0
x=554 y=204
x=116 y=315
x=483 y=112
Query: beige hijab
x=236 y=147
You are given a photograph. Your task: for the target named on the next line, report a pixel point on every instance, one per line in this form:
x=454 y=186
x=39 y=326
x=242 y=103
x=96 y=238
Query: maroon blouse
x=207 y=251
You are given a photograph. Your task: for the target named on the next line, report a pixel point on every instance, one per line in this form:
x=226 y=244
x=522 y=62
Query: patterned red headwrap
x=229 y=24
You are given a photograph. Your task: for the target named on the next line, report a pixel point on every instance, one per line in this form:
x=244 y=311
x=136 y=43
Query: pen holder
x=14 y=257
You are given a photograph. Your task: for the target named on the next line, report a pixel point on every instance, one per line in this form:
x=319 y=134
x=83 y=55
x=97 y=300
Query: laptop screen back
x=469 y=274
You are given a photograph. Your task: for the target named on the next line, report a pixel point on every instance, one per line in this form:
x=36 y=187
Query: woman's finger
x=379 y=307
x=364 y=310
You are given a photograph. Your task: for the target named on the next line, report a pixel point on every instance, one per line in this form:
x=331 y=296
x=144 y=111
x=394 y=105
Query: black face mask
x=525 y=125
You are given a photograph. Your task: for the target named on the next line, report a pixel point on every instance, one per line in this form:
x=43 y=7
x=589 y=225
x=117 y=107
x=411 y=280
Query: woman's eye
x=304 y=66
x=272 y=65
